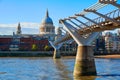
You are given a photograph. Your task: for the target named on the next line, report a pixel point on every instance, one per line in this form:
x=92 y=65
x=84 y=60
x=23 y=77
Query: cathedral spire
x=47 y=13
x=19 y=25
x=18 y=29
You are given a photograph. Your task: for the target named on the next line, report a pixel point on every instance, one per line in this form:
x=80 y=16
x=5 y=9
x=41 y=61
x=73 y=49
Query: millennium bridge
x=84 y=33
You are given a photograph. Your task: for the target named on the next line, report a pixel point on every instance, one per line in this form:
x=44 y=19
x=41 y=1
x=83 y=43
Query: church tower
x=59 y=33
x=18 y=32
x=47 y=29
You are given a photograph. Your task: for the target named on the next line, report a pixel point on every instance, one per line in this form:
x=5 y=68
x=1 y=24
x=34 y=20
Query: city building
x=99 y=46
x=112 y=42
x=109 y=43
x=24 y=43
x=38 y=42
x=28 y=42
x=47 y=29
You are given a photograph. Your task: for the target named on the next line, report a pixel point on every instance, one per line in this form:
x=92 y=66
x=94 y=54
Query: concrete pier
x=56 y=54
x=84 y=64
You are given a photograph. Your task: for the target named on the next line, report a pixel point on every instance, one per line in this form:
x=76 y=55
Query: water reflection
x=45 y=68
x=64 y=72
x=85 y=78
x=62 y=68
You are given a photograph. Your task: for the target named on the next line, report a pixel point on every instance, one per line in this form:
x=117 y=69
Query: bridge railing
x=114 y=14
x=102 y=3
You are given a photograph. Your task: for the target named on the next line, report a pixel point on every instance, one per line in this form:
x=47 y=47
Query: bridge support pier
x=56 y=54
x=84 y=64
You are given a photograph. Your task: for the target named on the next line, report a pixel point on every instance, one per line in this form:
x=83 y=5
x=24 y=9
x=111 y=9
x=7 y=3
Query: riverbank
x=48 y=54
x=25 y=53
x=33 y=53
x=108 y=56
x=114 y=56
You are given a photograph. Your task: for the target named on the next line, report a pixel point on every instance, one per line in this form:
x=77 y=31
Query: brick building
x=23 y=43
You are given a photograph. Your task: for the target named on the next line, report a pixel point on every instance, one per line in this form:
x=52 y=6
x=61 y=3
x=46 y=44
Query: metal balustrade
x=88 y=27
x=114 y=14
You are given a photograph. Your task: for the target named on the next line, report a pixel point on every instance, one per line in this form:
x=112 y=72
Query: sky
x=31 y=12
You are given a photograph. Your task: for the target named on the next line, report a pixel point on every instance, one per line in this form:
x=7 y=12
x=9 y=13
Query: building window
x=47 y=29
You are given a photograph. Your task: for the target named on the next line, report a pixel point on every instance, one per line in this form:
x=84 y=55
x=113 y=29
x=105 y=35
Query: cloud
x=7 y=30
x=27 y=28
x=23 y=25
x=30 y=31
x=30 y=25
x=10 y=30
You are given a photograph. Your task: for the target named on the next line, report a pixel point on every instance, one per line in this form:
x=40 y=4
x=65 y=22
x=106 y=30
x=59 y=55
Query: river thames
x=46 y=68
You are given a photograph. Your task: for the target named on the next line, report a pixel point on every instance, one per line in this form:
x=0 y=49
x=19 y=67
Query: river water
x=45 y=68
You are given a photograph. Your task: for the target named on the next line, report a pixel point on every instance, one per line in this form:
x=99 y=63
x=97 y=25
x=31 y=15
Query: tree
x=34 y=47
x=46 y=48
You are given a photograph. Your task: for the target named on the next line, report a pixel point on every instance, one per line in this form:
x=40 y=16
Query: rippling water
x=48 y=69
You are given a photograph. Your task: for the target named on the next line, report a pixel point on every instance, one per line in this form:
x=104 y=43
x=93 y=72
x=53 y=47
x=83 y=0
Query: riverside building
x=108 y=43
x=27 y=42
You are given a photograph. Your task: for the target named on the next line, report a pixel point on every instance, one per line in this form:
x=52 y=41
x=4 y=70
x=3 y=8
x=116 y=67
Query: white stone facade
x=47 y=29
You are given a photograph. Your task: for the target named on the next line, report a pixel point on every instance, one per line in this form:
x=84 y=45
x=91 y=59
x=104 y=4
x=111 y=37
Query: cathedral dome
x=47 y=29
x=47 y=19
